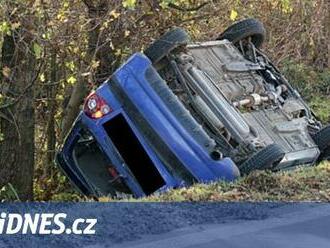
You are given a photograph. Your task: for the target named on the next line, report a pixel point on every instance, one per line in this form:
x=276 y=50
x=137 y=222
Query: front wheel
x=243 y=30
x=267 y=158
x=171 y=40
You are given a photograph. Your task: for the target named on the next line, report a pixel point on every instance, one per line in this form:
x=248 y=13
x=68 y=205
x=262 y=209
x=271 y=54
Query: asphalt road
x=178 y=225
x=290 y=227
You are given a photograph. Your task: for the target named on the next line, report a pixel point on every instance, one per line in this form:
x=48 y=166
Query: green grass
x=301 y=184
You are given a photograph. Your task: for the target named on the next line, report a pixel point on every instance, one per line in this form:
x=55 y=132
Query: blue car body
x=165 y=142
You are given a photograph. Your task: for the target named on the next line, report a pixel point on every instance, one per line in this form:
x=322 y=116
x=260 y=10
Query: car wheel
x=322 y=140
x=243 y=30
x=267 y=158
x=166 y=43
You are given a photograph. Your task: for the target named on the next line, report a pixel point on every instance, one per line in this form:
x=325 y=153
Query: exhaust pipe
x=218 y=104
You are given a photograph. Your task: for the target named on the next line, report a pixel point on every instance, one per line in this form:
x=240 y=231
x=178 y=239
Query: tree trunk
x=327 y=31
x=51 y=110
x=79 y=91
x=17 y=147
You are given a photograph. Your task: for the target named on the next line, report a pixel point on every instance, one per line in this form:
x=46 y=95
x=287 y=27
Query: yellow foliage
x=127 y=32
x=42 y=77
x=71 y=80
x=6 y=71
x=233 y=15
x=129 y=3
x=114 y=14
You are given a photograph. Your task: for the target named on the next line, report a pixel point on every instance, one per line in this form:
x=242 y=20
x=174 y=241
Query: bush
x=314 y=86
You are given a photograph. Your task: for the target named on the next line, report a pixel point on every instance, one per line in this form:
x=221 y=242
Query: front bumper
x=304 y=157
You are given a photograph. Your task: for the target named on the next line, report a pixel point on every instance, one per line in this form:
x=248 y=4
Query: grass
x=301 y=184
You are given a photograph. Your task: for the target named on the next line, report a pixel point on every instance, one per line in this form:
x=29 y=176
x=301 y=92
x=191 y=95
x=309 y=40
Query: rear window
x=135 y=156
x=97 y=167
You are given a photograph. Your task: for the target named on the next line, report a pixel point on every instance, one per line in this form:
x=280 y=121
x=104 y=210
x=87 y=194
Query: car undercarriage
x=241 y=100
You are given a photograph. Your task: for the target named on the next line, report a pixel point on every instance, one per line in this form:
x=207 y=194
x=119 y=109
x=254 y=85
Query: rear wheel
x=267 y=158
x=243 y=30
x=322 y=140
x=171 y=40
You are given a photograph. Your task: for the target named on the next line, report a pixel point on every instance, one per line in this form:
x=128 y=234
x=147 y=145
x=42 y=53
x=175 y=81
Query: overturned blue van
x=134 y=137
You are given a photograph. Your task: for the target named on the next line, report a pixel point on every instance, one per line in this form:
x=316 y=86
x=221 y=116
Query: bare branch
x=174 y=6
x=89 y=4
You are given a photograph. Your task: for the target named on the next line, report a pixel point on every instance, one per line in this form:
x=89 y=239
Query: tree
x=18 y=122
